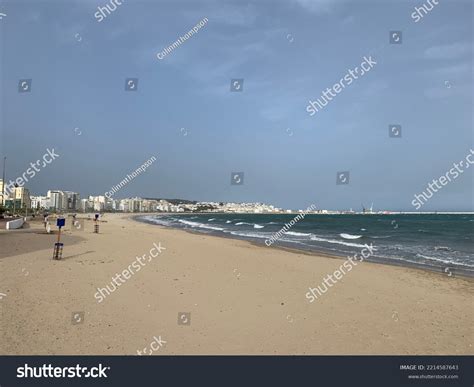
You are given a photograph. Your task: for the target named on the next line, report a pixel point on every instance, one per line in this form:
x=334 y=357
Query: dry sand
x=243 y=299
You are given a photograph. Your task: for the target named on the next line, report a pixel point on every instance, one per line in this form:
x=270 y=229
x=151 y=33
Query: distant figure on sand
x=45 y=220
x=47 y=226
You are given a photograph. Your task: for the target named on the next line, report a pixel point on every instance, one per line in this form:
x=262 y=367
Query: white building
x=72 y=200
x=99 y=203
x=123 y=206
x=86 y=205
x=40 y=203
x=57 y=200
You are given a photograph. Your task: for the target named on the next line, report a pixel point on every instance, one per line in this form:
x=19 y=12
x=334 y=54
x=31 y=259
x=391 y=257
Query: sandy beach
x=242 y=298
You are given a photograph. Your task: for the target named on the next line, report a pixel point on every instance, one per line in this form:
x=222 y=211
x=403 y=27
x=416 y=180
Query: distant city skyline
x=68 y=201
x=232 y=98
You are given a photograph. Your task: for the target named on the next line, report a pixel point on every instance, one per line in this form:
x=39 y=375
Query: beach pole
x=58 y=246
x=96 y=225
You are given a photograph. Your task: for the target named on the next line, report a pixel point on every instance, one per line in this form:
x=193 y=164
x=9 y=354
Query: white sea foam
x=249 y=234
x=159 y=221
x=315 y=238
x=437 y=259
x=350 y=236
x=297 y=233
x=200 y=225
x=249 y=224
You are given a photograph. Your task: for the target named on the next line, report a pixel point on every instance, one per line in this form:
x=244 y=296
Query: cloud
x=448 y=51
x=32 y=17
x=231 y=15
x=374 y=88
x=448 y=90
x=230 y=55
x=68 y=32
x=348 y=20
x=457 y=70
x=318 y=6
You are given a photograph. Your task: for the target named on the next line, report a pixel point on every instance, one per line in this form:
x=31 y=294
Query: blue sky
x=287 y=52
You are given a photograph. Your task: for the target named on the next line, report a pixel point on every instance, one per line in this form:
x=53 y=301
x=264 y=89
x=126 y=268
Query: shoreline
x=380 y=260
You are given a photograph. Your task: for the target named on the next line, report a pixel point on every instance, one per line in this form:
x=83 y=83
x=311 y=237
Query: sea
x=438 y=242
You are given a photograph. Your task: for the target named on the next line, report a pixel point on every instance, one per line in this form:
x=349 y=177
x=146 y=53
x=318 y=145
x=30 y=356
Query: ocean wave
x=315 y=238
x=210 y=220
x=290 y=240
x=438 y=259
x=158 y=221
x=149 y=218
x=249 y=234
x=350 y=236
x=200 y=225
x=228 y=221
x=297 y=233
x=241 y=223
x=257 y=226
